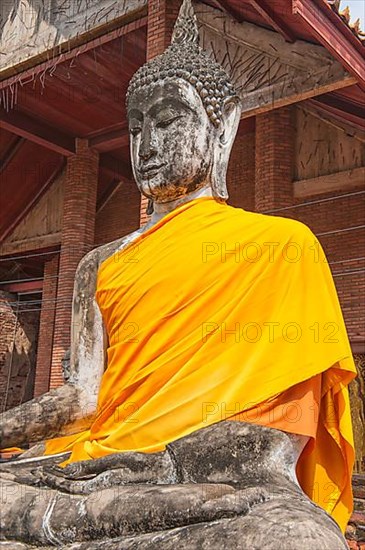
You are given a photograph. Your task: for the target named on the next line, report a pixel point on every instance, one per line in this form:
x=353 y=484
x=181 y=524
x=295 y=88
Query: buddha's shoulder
x=271 y=226
x=93 y=259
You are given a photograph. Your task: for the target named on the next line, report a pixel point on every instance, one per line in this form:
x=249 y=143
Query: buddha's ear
x=231 y=115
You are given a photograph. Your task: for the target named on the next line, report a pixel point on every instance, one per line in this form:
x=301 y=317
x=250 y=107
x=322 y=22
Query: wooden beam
x=334 y=36
x=23 y=125
x=336 y=19
x=315 y=109
x=342 y=108
x=46 y=185
x=53 y=240
x=273 y=19
x=346 y=179
x=115 y=168
x=254 y=108
x=336 y=114
x=23 y=288
x=110 y=140
x=108 y=194
x=230 y=10
x=12 y=151
x=267 y=71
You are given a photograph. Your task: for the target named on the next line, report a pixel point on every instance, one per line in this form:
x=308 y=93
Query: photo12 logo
x=270 y=332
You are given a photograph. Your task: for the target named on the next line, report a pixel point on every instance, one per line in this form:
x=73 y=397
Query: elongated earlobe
x=230 y=120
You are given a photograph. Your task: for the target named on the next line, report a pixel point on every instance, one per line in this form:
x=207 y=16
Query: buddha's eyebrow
x=169 y=102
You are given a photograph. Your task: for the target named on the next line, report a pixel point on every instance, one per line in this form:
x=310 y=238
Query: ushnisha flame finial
x=184 y=59
x=186 y=27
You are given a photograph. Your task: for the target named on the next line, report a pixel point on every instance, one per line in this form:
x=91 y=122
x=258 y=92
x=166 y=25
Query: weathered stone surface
x=234 y=454
x=15 y=546
x=229 y=485
x=227 y=534
x=90 y=476
x=41 y=416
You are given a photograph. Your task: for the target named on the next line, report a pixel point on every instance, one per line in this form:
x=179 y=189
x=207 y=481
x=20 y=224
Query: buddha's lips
x=151 y=170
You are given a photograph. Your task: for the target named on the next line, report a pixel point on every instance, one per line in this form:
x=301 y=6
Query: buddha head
x=183 y=115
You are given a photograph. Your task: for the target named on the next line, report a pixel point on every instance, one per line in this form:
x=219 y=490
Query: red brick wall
x=120 y=215
x=18 y=347
x=77 y=239
x=274 y=159
x=162 y=15
x=241 y=172
x=332 y=221
x=46 y=326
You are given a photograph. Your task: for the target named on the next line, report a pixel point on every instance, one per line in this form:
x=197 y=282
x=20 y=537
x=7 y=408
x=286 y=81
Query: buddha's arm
x=71 y=407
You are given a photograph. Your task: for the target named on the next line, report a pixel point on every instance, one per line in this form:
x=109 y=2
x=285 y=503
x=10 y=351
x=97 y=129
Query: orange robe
x=216 y=311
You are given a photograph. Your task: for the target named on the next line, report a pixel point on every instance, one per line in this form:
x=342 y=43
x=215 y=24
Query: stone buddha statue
x=202 y=409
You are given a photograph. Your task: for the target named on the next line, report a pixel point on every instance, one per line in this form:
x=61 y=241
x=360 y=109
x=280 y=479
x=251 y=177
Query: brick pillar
x=162 y=15
x=77 y=239
x=274 y=159
x=241 y=169
x=46 y=327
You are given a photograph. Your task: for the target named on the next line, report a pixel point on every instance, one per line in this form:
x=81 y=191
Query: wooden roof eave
x=333 y=34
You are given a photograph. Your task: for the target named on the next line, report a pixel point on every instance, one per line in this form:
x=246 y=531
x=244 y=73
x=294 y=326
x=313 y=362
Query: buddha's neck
x=160 y=209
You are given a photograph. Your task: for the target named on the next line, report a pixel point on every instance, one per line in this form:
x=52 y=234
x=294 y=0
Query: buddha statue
x=206 y=404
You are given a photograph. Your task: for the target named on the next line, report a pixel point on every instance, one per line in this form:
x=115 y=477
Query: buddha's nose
x=147 y=148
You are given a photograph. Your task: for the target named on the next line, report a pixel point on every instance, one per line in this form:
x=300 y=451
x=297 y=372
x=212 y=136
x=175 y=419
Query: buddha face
x=172 y=140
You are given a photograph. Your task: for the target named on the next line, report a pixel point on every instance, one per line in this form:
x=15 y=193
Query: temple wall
x=241 y=171
x=119 y=216
x=42 y=226
x=322 y=148
x=332 y=222
x=18 y=349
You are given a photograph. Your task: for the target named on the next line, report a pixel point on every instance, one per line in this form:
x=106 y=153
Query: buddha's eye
x=166 y=122
x=135 y=130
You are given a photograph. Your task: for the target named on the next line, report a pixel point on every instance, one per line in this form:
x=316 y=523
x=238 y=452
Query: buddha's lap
x=216 y=511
